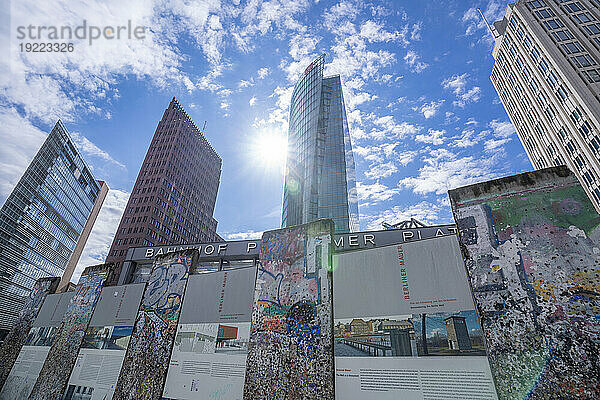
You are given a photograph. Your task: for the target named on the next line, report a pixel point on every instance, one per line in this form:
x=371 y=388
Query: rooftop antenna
x=203 y=127
x=487 y=23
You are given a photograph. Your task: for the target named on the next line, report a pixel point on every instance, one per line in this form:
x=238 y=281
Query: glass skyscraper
x=42 y=220
x=320 y=180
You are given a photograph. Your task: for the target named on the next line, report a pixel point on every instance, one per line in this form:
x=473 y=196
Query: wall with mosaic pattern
x=61 y=358
x=147 y=359
x=531 y=244
x=18 y=334
x=290 y=352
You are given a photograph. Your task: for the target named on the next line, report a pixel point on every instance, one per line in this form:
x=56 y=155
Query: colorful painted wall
x=147 y=359
x=290 y=353
x=57 y=368
x=18 y=334
x=531 y=245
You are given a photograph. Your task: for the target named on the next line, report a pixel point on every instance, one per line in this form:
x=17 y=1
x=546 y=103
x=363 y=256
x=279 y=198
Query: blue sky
x=424 y=116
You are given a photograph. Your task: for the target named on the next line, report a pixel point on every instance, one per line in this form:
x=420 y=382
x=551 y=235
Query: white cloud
x=502 y=129
x=15 y=155
x=443 y=171
x=431 y=108
x=413 y=61
x=103 y=232
x=375 y=32
x=244 y=83
x=252 y=101
x=374 y=193
x=262 y=72
x=426 y=212
x=88 y=148
x=468 y=138
x=302 y=46
x=224 y=105
x=457 y=84
x=493 y=145
x=385 y=128
x=377 y=170
x=243 y=235
x=432 y=136
x=472 y=19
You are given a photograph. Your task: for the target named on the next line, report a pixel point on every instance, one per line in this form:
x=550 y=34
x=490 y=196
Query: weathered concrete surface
x=291 y=345
x=18 y=334
x=531 y=245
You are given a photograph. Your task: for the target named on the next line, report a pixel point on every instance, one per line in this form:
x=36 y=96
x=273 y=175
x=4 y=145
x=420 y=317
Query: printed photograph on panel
x=233 y=338
x=196 y=338
x=76 y=392
x=41 y=336
x=385 y=336
x=448 y=334
x=107 y=337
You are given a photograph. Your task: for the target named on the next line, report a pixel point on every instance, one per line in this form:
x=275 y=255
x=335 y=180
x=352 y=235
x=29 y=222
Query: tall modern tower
x=174 y=196
x=547 y=73
x=320 y=181
x=45 y=221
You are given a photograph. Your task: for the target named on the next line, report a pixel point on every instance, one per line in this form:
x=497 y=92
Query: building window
x=561 y=36
x=584 y=17
x=592 y=29
x=543 y=14
x=572 y=47
x=561 y=93
x=536 y=4
x=553 y=24
x=583 y=60
x=592 y=75
x=597 y=194
x=589 y=178
x=595 y=145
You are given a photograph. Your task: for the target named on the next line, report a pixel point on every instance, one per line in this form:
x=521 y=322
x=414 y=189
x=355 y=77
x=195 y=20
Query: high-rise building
x=174 y=196
x=43 y=221
x=320 y=180
x=547 y=73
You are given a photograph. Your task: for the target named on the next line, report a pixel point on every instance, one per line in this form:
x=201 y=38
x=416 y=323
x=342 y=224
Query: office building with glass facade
x=42 y=221
x=320 y=180
x=547 y=74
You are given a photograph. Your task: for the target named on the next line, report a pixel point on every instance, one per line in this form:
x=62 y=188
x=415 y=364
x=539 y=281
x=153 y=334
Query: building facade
x=43 y=221
x=174 y=196
x=547 y=73
x=320 y=180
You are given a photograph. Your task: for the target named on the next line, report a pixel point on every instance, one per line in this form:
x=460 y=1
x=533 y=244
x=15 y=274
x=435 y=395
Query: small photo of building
x=387 y=336
x=444 y=334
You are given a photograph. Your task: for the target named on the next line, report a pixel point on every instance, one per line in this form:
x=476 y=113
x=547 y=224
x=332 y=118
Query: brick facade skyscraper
x=174 y=196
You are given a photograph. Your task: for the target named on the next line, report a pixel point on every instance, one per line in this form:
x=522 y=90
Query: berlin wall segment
x=11 y=347
x=291 y=348
x=61 y=358
x=531 y=245
x=146 y=361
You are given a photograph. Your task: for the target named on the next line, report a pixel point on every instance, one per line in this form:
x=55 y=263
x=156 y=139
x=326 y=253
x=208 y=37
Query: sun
x=269 y=149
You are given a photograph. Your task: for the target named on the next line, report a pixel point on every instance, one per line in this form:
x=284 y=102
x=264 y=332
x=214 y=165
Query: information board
x=101 y=354
x=405 y=325
x=29 y=363
x=211 y=345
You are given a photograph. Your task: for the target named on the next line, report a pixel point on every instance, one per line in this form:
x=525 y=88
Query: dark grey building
x=174 y=196
x=320 y=181
x=43 y=219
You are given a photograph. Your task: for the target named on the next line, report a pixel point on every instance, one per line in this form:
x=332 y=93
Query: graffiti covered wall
x=531 y=245
x=62 y=355
x=18 y=334
x=147 y=359
x=290 y=352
